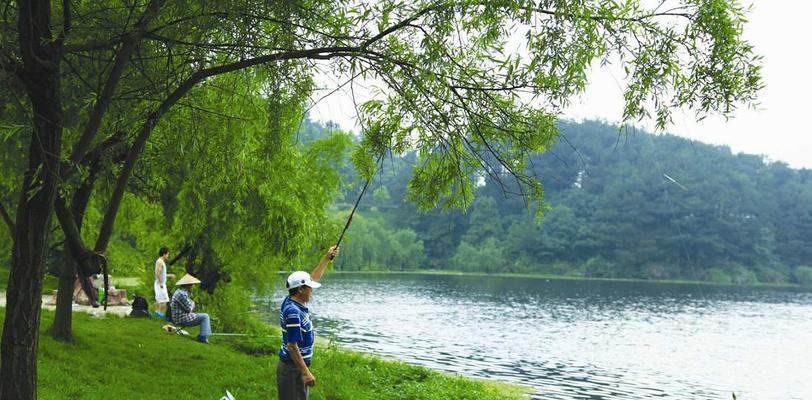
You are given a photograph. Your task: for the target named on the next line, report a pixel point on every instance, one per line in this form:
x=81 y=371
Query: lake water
x=579 y=339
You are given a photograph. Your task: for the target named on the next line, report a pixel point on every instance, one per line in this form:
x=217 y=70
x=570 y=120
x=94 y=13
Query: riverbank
x=576 y=278
x=128 y=358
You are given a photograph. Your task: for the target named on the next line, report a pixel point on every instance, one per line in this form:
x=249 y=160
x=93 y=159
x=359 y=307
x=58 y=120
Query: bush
x=597 y=267
x=655 y=272
x=718 y=275
x=803 y=275
x=742 y=276
x=523 y=264
x=772 y=275
x=487 y=257
x=231 y=309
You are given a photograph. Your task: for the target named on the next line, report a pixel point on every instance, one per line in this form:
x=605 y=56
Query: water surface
x=579 y=339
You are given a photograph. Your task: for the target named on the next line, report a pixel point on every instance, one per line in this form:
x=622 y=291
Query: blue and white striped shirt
x=294 y=319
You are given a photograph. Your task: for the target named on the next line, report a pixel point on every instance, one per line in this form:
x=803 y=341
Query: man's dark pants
x=290 y=382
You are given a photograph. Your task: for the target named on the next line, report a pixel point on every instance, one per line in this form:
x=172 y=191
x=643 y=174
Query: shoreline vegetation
x=645 y=207
x=132 y=358
x=444 y=272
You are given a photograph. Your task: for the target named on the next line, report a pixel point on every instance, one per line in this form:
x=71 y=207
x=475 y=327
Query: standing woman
x=161 y=294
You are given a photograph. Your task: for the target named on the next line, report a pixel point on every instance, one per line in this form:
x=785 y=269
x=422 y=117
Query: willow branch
x=66 y=20
x=7 y=218
x=99 y=45
x=398 y=26
x=123 y=55
x=34 y=26
x=145 y=130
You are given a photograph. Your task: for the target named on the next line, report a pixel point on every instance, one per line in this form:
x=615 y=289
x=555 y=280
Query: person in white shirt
x=161 y=294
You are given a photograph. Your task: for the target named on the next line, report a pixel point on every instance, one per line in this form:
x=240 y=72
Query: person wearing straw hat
x=293 y=376
x=183 y=308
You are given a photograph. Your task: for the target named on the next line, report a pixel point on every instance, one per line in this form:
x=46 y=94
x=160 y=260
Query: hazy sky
x=778 y=128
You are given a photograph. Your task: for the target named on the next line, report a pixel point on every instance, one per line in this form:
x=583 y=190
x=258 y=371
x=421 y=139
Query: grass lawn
x=127 y=358
x=51 y=283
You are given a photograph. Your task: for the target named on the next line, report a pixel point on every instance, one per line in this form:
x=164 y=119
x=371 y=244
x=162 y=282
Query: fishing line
x=678 y=225
x=355 y=207
x=672 y=209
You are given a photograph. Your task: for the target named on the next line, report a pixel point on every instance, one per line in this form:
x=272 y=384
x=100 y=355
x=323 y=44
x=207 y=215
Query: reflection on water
x=580 y=339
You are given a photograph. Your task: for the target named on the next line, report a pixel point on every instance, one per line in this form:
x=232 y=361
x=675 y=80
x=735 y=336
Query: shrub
x=718 y=275
x=486 y=257
x=803 y=275
x=742 y=276
x=597 y=267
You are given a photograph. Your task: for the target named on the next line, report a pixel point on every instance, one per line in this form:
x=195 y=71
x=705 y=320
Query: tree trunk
x=18 y=351
x=40 y=76
x=62 y=329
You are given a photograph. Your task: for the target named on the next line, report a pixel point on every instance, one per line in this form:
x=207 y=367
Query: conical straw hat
x=187 y=280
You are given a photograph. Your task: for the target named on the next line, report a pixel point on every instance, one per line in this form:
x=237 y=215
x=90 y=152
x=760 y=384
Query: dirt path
x=49 y=303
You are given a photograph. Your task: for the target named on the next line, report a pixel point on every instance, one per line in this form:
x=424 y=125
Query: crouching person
x=182 y=309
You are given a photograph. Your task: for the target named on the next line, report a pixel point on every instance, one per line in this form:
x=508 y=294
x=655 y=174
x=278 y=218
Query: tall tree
x=37 y=67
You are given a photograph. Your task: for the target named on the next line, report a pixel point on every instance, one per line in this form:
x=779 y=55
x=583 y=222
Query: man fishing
x=293 y=376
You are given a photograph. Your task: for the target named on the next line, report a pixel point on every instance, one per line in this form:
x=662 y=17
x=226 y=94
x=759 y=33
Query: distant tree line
x=621 y=204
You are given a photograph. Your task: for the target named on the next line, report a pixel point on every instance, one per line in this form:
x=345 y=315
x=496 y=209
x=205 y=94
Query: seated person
x=81 y=285
x=182 y=307
x=116 y=297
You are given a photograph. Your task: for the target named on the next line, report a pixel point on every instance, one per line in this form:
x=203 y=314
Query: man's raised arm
x=319 y=270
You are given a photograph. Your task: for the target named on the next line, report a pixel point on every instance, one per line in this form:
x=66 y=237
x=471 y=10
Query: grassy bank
x=124 y=358
x=49 y=283
x=577 y=278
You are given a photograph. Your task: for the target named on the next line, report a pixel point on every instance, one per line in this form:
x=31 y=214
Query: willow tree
x=244 y=204
x=452 y=87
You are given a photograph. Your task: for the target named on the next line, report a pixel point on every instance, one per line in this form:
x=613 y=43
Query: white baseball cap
x=301 y=278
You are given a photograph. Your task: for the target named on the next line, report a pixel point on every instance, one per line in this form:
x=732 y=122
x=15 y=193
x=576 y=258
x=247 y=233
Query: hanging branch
x=186 y=249
x=6 y=218
x=324 y=53
x=103 y=102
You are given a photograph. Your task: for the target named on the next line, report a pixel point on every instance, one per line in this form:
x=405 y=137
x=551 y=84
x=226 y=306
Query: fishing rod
x=364 y=190
x=229 y=334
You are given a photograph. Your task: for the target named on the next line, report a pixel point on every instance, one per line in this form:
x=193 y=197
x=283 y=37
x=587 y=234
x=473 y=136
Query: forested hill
x=622 y=204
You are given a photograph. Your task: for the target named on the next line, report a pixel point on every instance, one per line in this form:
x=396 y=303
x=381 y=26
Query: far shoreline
x=760 y=285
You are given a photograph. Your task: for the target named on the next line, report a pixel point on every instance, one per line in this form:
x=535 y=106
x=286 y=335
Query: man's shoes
x=203 y=339
x=158 y=314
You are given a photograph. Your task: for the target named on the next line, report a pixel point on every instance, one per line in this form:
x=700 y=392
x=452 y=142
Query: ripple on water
x=581 y=340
